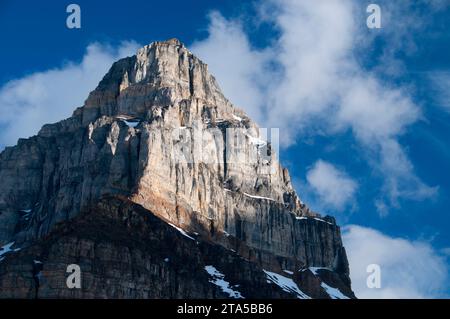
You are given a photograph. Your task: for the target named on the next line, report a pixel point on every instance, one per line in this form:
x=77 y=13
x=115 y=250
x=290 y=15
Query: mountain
x=158 y=187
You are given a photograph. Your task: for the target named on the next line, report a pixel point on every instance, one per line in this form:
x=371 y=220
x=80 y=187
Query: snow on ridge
x=314 y=270
x=181 y=231
x=26 y=213
x=131 y=123
x=237 y=118
x=322 y=220
x=128 y=120
x=7 y=249
x=259 y=197
x=287 y=284
x=218 y=280
x=334 y=293
x=315 y=218
x=256 y=141
x=251 y=196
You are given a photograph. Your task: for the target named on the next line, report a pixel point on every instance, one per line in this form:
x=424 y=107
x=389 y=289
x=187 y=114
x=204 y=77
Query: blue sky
x=361 y=108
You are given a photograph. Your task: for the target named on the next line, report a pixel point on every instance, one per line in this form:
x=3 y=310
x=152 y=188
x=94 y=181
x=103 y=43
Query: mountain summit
x=158 y=187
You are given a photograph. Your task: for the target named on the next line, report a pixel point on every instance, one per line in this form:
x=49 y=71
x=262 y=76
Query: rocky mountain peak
x=159 y=75
x=157 y=133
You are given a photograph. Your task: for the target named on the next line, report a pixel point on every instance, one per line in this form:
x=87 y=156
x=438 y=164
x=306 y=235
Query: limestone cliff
x=157 y=133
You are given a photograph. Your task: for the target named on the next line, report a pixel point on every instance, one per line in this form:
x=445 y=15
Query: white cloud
x=308 y=80
x=241 y=69
x=333 y=187
x=402 y=20
x=52 y=95
x=409 y=269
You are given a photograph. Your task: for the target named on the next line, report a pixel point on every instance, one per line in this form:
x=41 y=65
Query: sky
x=363 y=113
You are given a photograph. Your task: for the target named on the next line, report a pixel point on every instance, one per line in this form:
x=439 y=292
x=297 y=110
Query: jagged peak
x=172 y=41
x=160 y=74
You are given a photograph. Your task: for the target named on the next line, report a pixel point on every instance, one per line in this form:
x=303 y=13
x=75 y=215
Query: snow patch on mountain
x=181 y=231
x=7 y=249
x=218 y=280
x=287 y=284
x=334 y=293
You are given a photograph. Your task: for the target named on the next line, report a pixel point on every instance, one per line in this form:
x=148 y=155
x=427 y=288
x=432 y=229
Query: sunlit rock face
x=158 y=131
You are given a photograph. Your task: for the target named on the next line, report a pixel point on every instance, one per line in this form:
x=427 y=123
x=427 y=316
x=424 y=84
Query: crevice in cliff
x=37 y=268
x=191 y=76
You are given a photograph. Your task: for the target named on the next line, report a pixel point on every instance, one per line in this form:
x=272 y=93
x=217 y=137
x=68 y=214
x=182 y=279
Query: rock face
x=161 y=142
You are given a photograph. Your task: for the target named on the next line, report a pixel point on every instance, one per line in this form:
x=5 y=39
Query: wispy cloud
x=334 y=188
x=52 y=95
x=409 y=269
x=440 y=82
x=240 y=69
x=309 y=78
x=402 y=20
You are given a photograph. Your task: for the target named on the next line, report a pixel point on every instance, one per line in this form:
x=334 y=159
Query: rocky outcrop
x=158 y=131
